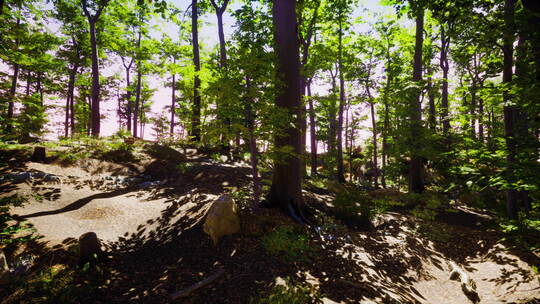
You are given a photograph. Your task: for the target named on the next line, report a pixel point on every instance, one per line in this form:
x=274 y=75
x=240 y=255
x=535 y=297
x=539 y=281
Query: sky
x=208 y=38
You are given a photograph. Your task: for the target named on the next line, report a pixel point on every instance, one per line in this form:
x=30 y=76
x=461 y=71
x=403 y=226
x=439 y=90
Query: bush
x=289 y=243
x=291 y=294
x=354 y=206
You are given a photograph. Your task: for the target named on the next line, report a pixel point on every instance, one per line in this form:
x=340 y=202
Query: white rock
x=222 y=218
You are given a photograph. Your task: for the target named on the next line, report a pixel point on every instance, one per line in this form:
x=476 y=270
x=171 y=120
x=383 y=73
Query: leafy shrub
x=11 y=230
x=354 y=206
x=289 y=243
x=291 y=294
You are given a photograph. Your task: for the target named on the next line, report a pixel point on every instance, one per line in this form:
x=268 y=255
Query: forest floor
x=148 y=214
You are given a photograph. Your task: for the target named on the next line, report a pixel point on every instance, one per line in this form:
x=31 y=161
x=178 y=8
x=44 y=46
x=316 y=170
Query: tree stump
x=39 y=155
x=89 y=249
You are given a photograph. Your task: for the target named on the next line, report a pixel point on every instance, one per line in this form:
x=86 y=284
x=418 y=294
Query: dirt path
x=404 y=260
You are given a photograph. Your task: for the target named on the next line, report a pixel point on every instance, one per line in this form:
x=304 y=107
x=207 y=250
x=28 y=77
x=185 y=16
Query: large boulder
x=222 y=218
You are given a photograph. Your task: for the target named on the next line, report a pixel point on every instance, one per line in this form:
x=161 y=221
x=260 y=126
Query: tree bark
x=286 y=189
x=96 y=123
x=196 y=115
x=138 y=107
x=509 y=110
x=92 y=20
x=373 y=124
x=127 y=67
x=443 y=62
x=250 y=121
x=173 y=101
x=12 y=91
x=339 y=159
x=221 y=35
x=69 y=99
x=312 y=131
x=416 y=184
x=432 y=120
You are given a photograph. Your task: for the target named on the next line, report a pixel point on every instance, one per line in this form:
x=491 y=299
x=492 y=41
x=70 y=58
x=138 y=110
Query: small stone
x=89 y=248
x=39 y=155
x=4 y=268
x=222 y=218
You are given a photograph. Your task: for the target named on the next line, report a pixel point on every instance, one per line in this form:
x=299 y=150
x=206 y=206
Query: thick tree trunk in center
x=196 y=115
x=286 y=189
x=416 y=184
x=96 y=123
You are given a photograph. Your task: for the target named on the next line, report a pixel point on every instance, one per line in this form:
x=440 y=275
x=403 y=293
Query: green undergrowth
x=524 y=233
x=289 y=243
x=60 y=284
x=12 y=231
x=290 y=293
x=111 y=148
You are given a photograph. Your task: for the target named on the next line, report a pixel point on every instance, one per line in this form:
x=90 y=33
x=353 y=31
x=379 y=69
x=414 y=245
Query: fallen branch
x=186 y=292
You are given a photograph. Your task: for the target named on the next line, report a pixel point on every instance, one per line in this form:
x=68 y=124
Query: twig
x=186 y=292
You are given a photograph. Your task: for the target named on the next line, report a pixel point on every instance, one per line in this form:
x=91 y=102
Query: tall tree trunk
x=196 y=115
x=127 y=67
x=312 y=131
x=386 y=123
x=432 y=120
x=72 y=112
x=481 y=119
x=173 y=101
x=96 y=123
x=416 y=184
x=373 y=123
x=339 y=159
x=472 y=110
x=40 y=88
x=71 y=85
x=443 y=61
x=509 y=110
x=332 y=128
x=305 y=44
x=375 y=157
x=11 y=97
x=138 y=107
x=221 y=35
x=89 y=122
x=13 y=89
x=286 y=189
x=250 y=121
x=222 y=64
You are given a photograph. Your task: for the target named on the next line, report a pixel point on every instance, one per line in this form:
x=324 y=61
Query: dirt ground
x=152 y=230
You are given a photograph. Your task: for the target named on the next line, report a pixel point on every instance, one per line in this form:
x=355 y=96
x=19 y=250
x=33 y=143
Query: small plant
x=183 y=167
x=291 y=293
x=11 y=230
x=289 y=243
x=38 y=197
x=354 y=206
x=15 y=200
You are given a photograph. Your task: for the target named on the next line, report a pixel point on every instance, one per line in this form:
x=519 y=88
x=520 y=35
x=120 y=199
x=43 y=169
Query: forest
x=257 y=151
